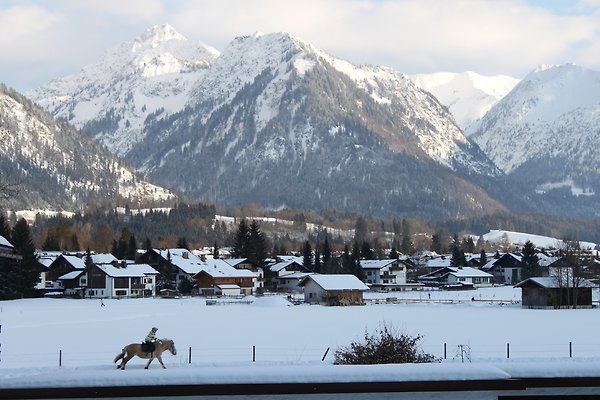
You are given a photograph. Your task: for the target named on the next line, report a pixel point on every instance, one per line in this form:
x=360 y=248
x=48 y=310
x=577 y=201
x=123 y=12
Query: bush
x=385 y=346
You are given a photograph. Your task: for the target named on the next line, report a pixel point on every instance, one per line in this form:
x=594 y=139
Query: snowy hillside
x=468 y=95
x=111 y=99
x=545 y=131
x=519 y=238
x=57 y=166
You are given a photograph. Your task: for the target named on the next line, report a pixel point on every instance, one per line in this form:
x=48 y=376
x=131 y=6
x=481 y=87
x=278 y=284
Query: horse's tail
x=119 y=356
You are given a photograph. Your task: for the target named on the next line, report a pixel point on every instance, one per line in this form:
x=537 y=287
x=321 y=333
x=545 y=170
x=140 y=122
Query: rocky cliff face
x=56 y=166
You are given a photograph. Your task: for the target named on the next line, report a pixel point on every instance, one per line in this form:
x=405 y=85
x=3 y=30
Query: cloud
x=489 y=37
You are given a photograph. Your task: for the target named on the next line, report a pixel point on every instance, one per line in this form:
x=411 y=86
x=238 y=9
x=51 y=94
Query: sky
x=45 y=39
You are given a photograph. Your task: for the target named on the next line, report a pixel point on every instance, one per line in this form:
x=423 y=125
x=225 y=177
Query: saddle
x=148 y=347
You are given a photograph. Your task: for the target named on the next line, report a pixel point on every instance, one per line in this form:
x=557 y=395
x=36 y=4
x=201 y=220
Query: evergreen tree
x=132 y=248
x=361 y=230
x=458 y=256
x=257 y=244
x=147 y=244
x=394 y=252
x=4 y=227
x=240 y=242
x=317 y=262
x=50 y=243
x=482 y=258
x=355 y=263
x=366 y=252
x=182 y=243
x=327 y=261
x=346 y=260
x=407 y=246
x=531 y=261
x=28 y=272
x=436 y=243
x=307 y=260
x=75 y=243
x=215 y=250
x=468 y=246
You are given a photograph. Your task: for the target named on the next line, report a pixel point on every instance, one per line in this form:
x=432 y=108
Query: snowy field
x=83 y=337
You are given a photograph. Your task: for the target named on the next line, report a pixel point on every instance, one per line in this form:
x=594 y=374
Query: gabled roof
x=553 y=282
x=344 y=282
x=284 y=264
x=468 y=272
x=438 y=262
x=76 y=262
x=131 y=271
x=70 y=275
x=4 y=242
x=376 y=264
x=103 y=258
x=235 y=261
x=219 y=268
x=295 y=275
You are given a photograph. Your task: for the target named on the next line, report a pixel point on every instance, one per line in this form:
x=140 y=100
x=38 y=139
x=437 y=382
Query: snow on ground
x=85 y=337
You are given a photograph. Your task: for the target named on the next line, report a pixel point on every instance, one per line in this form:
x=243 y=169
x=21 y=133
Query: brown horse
x=135 y=349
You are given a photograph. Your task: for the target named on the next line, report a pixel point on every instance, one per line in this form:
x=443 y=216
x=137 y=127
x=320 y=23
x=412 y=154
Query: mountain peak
x=154 y=36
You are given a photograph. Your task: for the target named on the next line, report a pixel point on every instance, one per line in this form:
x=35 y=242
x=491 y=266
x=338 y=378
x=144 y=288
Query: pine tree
x=182 y=243
x=307 y=260
x=4 y=227
x=458 y=256
x=346 y=260
x=50 y=243
x=436 y=243
x=366 y=252
x=317 y=262
x=327 y=262
x=355 y=265
x=28 y=274
x=531 y=261
x=240 y=242
x=132 y=248
x=215 y=250
x=257 y=244
x=482 y=257
x=74 y=243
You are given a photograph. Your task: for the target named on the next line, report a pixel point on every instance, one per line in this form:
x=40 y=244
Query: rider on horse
x=148 y=346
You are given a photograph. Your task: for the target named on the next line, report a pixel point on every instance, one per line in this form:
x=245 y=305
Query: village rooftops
x=103 y=258
x=339 y=282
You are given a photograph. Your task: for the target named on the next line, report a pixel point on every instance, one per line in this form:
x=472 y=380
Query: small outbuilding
x=548 y=292
x=333 y=290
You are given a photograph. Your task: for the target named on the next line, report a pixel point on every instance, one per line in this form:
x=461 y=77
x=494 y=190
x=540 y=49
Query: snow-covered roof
x=235 y=261
x=228 y=286
x=70 y=275
x=376 y=264
x=336 y=282
x=439 y=262
x=283 y=264
x=219 y=268
x=553 y=282
x=4 y=242
x=76 y=262
x=297 y=259
x=131 y=271
x=295 y=275
x=466 y=272
x=103 y=258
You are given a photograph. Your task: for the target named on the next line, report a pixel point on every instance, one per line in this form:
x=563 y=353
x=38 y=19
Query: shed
x=549 y=292
x=333 y=290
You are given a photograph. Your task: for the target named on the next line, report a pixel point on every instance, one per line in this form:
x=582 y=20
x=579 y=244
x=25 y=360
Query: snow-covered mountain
x=468 y=95
x=546 y=131
x=111 y=99
x=278 y=122
x=57 y=166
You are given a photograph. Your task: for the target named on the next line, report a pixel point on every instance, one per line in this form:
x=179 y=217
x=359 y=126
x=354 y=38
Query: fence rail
x=447 y=352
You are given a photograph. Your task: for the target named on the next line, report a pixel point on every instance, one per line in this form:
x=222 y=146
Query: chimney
x=124 y=264
x=185 y=255
x=203 y=257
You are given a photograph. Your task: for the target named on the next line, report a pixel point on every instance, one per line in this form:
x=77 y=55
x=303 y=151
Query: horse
x=135 y=349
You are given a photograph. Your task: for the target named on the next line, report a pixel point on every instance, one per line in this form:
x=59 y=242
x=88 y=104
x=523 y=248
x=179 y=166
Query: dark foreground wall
x=504 y=389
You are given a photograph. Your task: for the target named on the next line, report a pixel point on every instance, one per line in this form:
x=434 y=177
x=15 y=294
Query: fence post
x=190 y=356
x=253 y=353
x=325 y=355
x=445 y=355
x=570 y=349
x=507 y=350
x=60 y=358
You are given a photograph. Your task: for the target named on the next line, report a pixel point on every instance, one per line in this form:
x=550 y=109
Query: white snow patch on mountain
x=467 y=95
